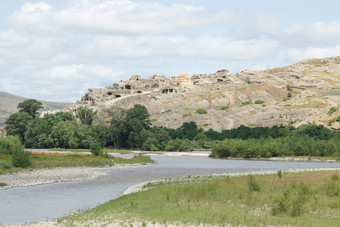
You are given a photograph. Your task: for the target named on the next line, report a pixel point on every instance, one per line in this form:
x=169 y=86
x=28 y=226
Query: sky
x=57 y=49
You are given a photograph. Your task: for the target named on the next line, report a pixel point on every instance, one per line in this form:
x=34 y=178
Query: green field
x=42 y=160
x=283 y=199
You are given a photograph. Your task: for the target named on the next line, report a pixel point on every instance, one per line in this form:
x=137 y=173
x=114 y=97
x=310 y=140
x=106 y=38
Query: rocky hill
x=9 y=103
x=296 y=94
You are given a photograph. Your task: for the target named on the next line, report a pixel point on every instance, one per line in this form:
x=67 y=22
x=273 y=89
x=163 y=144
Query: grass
x=107 y=150
x=224 y=108
x=294 y=199
x=42 y=160
x=201 y=111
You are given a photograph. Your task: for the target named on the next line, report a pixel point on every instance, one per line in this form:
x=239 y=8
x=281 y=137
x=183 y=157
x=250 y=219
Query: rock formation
x=297 y=94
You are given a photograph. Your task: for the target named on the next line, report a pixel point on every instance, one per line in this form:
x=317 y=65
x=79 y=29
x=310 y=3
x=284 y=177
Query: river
x=39 y=203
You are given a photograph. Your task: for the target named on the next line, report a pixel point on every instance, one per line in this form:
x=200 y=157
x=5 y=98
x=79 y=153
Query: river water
x=39 y=203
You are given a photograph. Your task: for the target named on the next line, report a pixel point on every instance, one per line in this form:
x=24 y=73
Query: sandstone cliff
x=296 y=94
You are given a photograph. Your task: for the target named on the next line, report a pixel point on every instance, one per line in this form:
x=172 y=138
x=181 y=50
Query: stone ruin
x=157 y=85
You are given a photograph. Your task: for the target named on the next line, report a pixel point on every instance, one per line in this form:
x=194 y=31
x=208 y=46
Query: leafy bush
x=332 y=188
x=224 y=108
x=151 y=144
x=259 y=102
x=178 y=145
x=95 y=148
x=289 y=95
x=253 y=185
x=279 y=173
x=201 y=111
x=297 y=145
x=332 y=110
x=20 y=158
x=9 y=144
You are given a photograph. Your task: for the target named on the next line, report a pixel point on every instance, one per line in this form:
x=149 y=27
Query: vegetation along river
x=38 y=203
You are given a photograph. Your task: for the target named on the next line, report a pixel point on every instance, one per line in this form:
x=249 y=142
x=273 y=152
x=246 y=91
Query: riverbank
x=30 y=177
x=117 y=221
x=298 y=198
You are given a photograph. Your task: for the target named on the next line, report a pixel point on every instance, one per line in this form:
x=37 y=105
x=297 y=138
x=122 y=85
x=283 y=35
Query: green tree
x=65 y=116
x=118 y=127
x=189 y=130
x=137 y=120
x=64 y=134
x=85 y=115
x=30 y=106
x=16 y=124
x=38 y=131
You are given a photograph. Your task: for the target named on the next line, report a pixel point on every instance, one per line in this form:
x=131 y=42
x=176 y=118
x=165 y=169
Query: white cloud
x=318 y=34
x=226 y=48
x=79 y=73
x=12 y=39
x=111 y=16
x=128 y=17
x=295 y=55
x=33 y=16
x=208 y=46
x=63 y=82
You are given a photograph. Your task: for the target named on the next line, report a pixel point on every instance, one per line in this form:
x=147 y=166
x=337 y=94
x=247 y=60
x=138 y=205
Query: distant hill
x=9 y=103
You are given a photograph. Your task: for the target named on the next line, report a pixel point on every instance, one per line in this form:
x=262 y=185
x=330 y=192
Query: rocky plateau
x=293 y=95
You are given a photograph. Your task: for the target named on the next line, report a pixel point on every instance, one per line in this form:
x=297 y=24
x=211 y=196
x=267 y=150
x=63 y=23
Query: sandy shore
x=60 y=174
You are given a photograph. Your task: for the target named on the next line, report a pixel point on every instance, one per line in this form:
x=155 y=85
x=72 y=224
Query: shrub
x=224 y=108
x=259 y=102
x=201 y=111
x=279 y=173
x=332 y=188
x=95 y=148
x=332 y=110
x=289 y=95
x=20 y=158
x=245 y=103
x=292 y=201
x=150 y=144
x=335 y=177
x=253 y=185
x=9 y=144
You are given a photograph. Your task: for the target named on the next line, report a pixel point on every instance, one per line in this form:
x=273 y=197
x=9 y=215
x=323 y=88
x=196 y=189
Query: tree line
x=132 y=129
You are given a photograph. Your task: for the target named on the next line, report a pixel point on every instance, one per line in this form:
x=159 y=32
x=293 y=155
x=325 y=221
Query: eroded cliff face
x=297 y=94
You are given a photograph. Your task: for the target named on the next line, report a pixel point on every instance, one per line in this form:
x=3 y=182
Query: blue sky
x=56 y=50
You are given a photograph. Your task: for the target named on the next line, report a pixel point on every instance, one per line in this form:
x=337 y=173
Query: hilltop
x=293 y=95
x=9 y=103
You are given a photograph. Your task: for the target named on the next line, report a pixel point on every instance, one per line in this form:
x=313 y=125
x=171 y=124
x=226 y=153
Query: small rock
x=3 y=184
